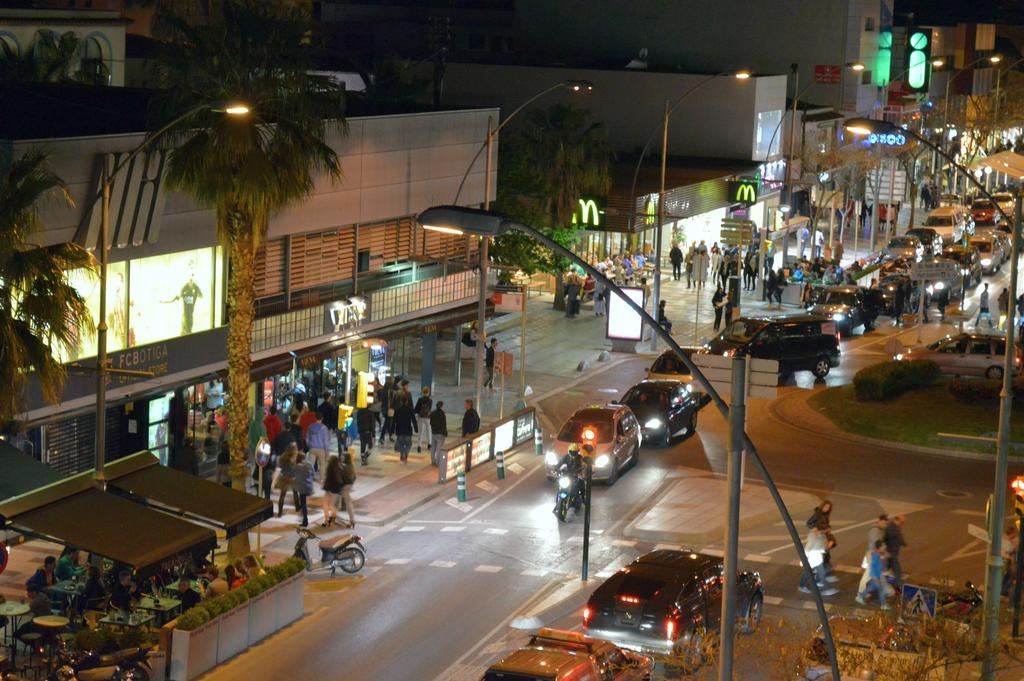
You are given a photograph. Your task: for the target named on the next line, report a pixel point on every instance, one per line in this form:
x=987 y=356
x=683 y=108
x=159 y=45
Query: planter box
x=290 y=599
x=158 y=665
x=234 y=632
x=194 y=652
x=263 y=615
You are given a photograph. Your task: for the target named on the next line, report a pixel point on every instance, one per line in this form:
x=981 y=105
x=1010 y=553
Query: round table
x=14 y=611
x=52 y=623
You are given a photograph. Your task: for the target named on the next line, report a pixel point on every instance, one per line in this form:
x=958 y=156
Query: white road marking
x=809 y=605
x=772 y=600
x=443 y=564
x=708 y=551
x=460 y=505
x=453 y=528
x=487 y=568
x=411 y=528
x=533 y=572
x=849 y=569
x=969 y=549
x=515 y=468
x=789 y=545
x=398 y=561
x=487 y=486
x=629 y=543
x=495 y=530
x=500 y=494
x=967 y=511
x=757 y=558
x=939 y=581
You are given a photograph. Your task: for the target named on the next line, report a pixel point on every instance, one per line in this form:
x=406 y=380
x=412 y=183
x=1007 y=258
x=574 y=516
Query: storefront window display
x=88 y=286
x=159 y=425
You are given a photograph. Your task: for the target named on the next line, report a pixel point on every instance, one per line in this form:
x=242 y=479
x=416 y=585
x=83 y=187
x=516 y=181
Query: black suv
x=799 y=342
x=667 y=600
x=848 y=306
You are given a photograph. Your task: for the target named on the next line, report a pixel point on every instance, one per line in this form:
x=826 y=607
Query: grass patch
x=915 y=417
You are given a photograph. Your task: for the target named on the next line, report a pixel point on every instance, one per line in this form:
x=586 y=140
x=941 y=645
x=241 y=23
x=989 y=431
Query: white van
x=951 y=222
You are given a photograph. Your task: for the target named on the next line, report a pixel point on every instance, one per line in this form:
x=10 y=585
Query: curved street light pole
x=457 y=219
x=994 y=562
x=107 y=177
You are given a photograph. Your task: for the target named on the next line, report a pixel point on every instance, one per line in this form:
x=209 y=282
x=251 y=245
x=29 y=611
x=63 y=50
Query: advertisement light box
x=623 y=322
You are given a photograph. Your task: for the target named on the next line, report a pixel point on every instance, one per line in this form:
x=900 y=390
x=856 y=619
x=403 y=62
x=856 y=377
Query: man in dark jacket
x=489 y=363
x=185 y=458
x=365 y=422
x=438 y=431
x=893 y=543
x=676 y=256
x=470 y=420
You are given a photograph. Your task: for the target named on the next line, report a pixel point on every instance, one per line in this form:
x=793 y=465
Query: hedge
x=103 y=640
x=967 y=390
x=197 y=616
x=889 y=379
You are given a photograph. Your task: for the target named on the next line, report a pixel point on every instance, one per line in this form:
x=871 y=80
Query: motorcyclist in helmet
x=572 y=464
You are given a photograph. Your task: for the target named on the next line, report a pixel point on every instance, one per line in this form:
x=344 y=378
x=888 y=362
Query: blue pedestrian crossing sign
x=918 y=601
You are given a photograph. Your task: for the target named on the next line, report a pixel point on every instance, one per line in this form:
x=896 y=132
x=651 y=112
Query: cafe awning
x=22 y=473
x=141 y=478
x=77 y=513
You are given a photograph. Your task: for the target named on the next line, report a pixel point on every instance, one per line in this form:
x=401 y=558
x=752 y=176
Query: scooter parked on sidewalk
x=131 y=664
x=345 y=552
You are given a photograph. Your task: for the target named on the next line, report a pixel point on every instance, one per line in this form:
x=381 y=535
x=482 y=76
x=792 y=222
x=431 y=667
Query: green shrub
x=973 y=390
x=99 y=640
x=134 y=638
x=193 y=618
x=294 y=566
x=257 y=585
x=889 y=379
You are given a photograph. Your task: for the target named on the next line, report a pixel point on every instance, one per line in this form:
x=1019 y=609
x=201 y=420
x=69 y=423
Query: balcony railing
x=401 y=300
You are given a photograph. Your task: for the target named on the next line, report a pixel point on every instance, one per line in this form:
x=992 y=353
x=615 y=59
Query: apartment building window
x=865 y=78
x=869 y=24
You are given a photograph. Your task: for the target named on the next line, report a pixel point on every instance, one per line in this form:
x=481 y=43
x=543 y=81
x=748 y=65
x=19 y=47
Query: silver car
x=990 y=251
x=616 y=436
x=964 y=354
x=904 y=248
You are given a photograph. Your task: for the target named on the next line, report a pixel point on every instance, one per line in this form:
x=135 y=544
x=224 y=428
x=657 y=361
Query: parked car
x=965 y=354
x=669 y=366
x=970 y=268
x=667 y=600
x=983 y=212
x=904 y=248
x=930 y=240
x=950 y=222
x=990 y=252
x=1007 y=203
x=665 y=409
x=1000 y=236
x=801 y=342
x=559 y=655
x=616 y=436
x=849 y=307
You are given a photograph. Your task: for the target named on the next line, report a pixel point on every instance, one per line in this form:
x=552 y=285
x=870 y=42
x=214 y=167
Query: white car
x=1005 y=202
x=951 y=222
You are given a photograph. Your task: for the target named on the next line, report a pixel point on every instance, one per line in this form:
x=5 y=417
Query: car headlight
x=985 y=262
x=964 y=271
x=898 y=357
x=839 y=316
x=939 y=285
x=551 y=458
x=602 y=461
x=729 y=353
x=564 y=482
x=653 y=423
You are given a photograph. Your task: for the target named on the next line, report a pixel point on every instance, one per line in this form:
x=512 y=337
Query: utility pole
x=994 y=561
x=795 y=68
x=734 y=481
x=656 y=291
x=588 y=467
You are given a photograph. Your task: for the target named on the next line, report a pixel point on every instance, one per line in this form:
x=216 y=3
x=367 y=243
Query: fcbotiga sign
x=743 y=190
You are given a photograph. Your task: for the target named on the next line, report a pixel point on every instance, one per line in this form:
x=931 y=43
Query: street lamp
x=107 y=177
x=573 y=85
x=460 y=220
x=669 y=108
x=993 y=581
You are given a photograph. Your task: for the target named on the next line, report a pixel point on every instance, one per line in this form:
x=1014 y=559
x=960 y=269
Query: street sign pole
x=588 y=465
x=920 y=309
x=737 y=416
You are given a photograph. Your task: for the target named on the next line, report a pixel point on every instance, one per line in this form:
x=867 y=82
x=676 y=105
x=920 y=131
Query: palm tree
x=41 y=315
x=247 y=167
x=49 y=59
x=557 y=156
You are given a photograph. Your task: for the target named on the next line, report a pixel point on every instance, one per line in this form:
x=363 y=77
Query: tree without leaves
x=41 y=314
x=246 y=167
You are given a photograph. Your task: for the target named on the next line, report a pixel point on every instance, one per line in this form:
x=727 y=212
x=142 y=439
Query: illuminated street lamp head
x=866 y=126
x=236 y=109
x=995 y=58
x=461 y=220
x=856 y=66
x=742 y=75
x=938 y=63
x=579 y=85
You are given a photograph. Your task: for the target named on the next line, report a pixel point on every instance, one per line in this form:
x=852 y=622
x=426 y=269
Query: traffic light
x=1018 y=495
x=588 y=436
x=364 y=389
x=919 y=59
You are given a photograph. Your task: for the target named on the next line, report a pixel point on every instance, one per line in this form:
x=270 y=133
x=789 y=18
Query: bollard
x=461 y=487
x=538 y=441
x=499 y=457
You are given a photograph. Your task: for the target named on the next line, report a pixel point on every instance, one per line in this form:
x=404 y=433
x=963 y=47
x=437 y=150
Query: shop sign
x=344 y=314
x=888 y=139
x=504 y=436
x=827 y=74
x=481 y=450
x=589 y=213
x=151 y=359
x=453 y=464
x=524 y=428
x=650 y=211
x=743 y=190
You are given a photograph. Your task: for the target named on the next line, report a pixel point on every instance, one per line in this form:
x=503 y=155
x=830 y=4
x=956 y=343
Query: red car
x=984 y=212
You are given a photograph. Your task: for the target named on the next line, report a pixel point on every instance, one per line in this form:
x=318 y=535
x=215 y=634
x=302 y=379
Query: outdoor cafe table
x=129 y=621
x=14 y=612
x=51 y=623
x=160 y=607
x=67 y=591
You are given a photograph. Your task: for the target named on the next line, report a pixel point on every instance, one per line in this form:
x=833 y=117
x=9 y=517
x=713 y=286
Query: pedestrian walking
x=387 y=408
x=375 y=406
x=470 y=419
x=688 y=260
x=750 y=270
x=942 y=300
x=715 y=262
x=405 y=426
x=317 y=439
x=438 y=432
x=332 y=491
x=272 y=424
x=898 y=300
x=718 y=303
x=366 y=424
x=1004 y=308
x=814 y=548
x=676 y=257
x=348 y=480
x=302 y=484
x=894 y=542
x=780 y=284
x=983 y=308
x=822 y=519
x=286 y=476
x=600 y=295
x=489 y=363
x=1010 y=538
x=423 y=407
x=874 y=582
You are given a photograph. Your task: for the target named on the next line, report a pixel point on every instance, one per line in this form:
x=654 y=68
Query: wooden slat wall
x=270 y=268
x=322 y=258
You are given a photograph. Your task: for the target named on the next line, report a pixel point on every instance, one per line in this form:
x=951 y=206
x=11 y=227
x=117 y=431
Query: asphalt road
x=444 y=585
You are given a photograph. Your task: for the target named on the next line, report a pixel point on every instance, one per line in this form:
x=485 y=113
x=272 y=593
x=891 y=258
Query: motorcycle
x=131 y=664
x=345 y=552
x=567 y=494
x=960 y=605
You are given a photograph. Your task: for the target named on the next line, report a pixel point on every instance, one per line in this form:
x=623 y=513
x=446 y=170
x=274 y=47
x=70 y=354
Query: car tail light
x=586 y=616
x=670 y=629
x=629 y=599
